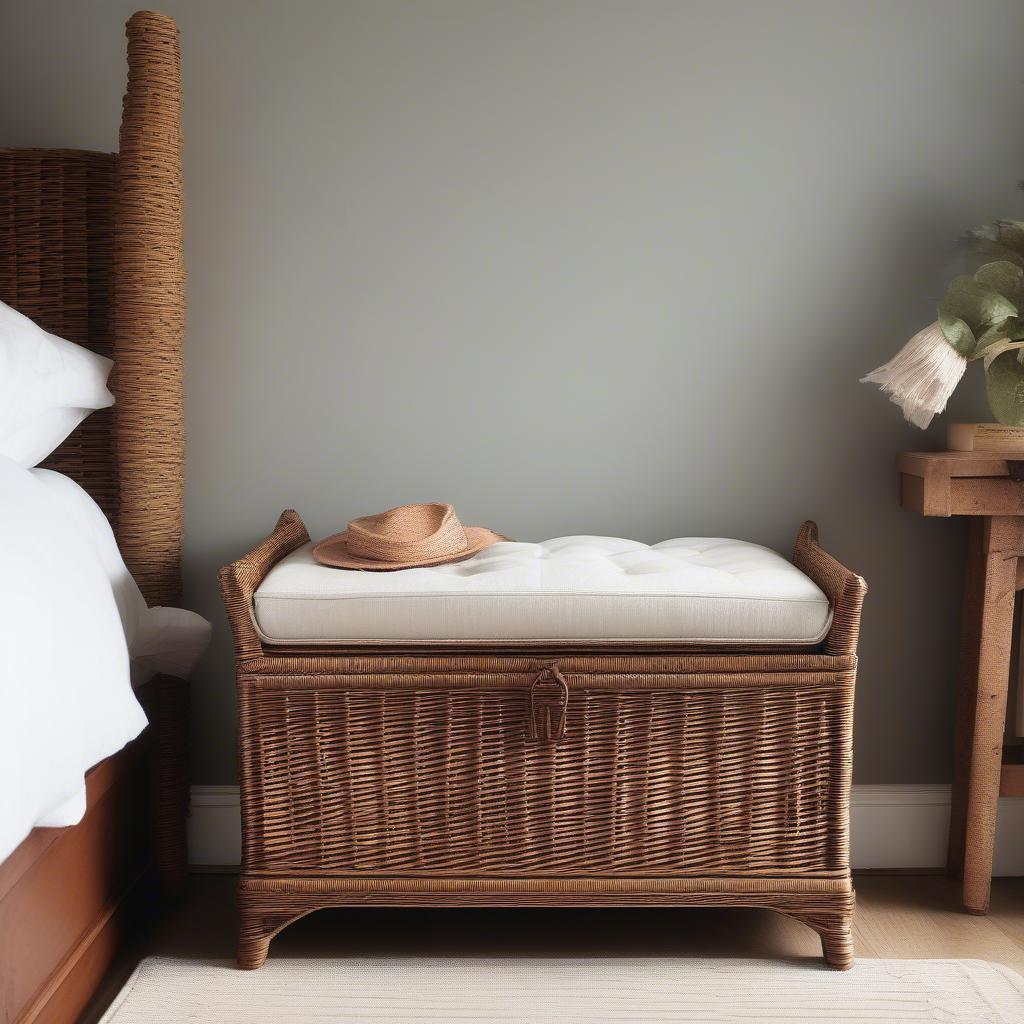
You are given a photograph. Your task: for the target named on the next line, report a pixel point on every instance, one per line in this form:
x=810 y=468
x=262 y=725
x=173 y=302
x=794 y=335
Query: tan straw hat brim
x=333 y=551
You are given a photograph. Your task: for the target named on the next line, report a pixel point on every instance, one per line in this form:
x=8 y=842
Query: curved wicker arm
x=238 y=581
x=845 y=589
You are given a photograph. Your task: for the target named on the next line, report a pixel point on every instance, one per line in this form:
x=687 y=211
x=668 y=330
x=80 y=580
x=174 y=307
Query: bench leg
x=257 y=926
x=253 y=945
x=837 y=944
x=836 y=933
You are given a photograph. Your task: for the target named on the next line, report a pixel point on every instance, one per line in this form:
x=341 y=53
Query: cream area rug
x=525 y=991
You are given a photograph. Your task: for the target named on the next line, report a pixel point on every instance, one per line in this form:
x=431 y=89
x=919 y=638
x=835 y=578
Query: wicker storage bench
x=546 y=773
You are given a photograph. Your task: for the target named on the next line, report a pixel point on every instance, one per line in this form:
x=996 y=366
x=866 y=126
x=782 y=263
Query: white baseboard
x=890 y=827
x=215 y=826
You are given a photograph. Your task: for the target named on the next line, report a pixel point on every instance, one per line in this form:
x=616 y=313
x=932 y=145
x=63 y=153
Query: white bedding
x=74 y=630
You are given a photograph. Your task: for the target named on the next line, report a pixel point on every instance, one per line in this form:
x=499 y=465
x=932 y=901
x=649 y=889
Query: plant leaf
x=975 y=303
x=1005 y=277
x=1004 y=384
x=959 y=335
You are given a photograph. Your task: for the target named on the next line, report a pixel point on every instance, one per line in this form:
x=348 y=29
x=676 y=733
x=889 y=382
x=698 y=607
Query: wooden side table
x=990 y=489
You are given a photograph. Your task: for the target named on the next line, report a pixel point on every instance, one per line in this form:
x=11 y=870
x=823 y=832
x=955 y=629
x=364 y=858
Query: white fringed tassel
x=921 y=376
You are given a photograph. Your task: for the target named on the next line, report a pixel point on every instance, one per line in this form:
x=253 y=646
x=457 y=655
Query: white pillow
x=47 y=387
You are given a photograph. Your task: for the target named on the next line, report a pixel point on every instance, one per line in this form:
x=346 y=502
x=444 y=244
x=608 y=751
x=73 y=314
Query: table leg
x=1001 y=546
x=970 y=640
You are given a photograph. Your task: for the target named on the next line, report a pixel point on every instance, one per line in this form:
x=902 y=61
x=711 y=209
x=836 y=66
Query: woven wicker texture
x=442 y=777
x=56 y=245
x=149 y=325
x=845 y=590
x=593 y=777
x=269 y=905
x=168 y=715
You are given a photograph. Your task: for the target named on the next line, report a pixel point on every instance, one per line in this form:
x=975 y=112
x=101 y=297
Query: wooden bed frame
x=91 y=249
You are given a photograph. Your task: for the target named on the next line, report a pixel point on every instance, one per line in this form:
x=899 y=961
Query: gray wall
x=576 y=267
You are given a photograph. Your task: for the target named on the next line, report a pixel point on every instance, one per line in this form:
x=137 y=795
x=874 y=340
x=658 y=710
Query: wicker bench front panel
x=678 y=777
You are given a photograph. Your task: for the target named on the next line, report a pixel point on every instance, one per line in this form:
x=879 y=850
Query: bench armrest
x=239 y=581
x=843 y=587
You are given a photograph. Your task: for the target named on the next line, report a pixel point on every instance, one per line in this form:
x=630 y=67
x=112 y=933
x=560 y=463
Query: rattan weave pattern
x=413 y=777
x=56 y=245
x=149 y=322
x=846 y=590
x=435 y=780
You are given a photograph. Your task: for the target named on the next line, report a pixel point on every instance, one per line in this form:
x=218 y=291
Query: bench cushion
x=594 y=589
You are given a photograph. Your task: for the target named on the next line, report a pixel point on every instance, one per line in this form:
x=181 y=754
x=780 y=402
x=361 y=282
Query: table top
x=961 y=483
x=955 y=463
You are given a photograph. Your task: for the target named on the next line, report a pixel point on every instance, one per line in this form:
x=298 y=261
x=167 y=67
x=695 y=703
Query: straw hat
x=403 y=538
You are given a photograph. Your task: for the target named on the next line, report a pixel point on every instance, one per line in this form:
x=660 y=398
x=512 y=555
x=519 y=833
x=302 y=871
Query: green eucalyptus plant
x=981 y=317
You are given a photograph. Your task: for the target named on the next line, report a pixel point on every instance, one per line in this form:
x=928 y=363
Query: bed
x=91 y=250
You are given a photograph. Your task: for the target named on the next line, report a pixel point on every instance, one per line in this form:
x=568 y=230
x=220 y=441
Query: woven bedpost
x=149 y=325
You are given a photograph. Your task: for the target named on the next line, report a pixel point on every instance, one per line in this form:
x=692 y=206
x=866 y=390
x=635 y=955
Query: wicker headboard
x=91 y=248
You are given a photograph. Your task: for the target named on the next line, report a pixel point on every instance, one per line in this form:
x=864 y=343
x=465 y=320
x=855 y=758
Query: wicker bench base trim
x=573 y=886
x=269 y=905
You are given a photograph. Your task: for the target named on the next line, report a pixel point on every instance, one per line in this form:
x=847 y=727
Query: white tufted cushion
x=572 y=588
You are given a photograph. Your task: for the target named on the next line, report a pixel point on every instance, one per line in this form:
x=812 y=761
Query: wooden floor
x=897 y=917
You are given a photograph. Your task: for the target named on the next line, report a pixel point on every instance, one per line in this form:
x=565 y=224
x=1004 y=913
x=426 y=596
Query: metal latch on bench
x=548 y=704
